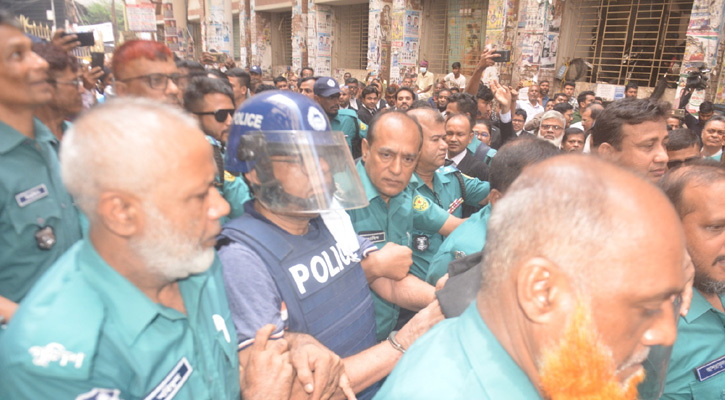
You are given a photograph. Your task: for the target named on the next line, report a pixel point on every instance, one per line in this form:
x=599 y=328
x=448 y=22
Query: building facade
x=602 y=44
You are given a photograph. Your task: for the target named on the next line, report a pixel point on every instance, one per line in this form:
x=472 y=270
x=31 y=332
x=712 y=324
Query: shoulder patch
x=466 y=176
x=420 y=203
x=229 y=177
x=363 y=126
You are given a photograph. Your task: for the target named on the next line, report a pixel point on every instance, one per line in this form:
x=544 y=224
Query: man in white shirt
x=455 y=79
x=531 y=106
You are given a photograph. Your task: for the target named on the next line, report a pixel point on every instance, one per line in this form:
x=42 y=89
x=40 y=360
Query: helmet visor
x=304 y=171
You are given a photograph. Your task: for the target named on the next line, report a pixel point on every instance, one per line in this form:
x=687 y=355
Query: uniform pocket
x=35 y=212
x=709 y=389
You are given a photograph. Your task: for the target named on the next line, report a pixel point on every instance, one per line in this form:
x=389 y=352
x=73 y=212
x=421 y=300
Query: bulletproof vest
x=326 y=293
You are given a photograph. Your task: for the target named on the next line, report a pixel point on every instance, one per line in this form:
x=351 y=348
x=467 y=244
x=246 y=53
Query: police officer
x=697 y=363
x=211 y=101
x=443 y=185
x=38 y=219
x=137 y=310
x=470 y=237
x=282 y=265
x=327 y=94
x=390 y=154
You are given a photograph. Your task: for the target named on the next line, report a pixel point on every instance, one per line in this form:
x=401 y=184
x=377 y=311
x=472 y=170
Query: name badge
x=710 y=369
x=373 y=236
x=31 y=195
x=170 y=385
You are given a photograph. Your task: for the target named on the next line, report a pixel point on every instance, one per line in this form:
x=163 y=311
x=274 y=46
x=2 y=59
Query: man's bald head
x=576 y=247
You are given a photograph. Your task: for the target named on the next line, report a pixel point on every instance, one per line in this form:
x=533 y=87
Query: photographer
x=696 y=80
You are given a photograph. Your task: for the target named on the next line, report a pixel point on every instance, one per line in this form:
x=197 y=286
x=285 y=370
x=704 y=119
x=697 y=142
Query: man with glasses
x=211 y=101
x=37 y=215
x=552 y=127
x=145 y=68
x=682 y=148
x=66 y=87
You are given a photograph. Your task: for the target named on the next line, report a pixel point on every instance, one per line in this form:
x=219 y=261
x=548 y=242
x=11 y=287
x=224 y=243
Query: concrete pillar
x=260 y=34
x=244 y=33
x=299 y=33
x=537 y=39
x=703 y=38
x=217 y=26
x=175 y=32
x=379 y=37
x=500 y=30
x=404 y=45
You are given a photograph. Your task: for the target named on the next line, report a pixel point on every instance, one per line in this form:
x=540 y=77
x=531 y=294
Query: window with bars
x=632 y=41
x=281 y=24
x=236 y=40
x=434 y=38
x=351 y=36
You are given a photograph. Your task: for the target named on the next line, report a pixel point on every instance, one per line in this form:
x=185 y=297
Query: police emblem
x=420 y=203
x=459 y=254
x=229 y=177
x=421 y=242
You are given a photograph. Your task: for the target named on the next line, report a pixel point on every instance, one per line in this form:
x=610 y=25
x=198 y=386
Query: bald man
x=543 y=310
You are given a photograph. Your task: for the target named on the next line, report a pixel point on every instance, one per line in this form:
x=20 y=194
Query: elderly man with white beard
x=552 y=127
x=138 y=309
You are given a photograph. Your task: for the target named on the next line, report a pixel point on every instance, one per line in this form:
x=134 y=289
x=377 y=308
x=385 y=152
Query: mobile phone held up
x=503 y=56
x=96 y=59
x=84 y=38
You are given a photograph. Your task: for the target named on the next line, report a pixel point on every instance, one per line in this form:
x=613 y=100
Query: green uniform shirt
x=467 y=239
x=85 y=330
x=716 y=157
x=473 y=146
x=345 y=121
x=700 y=345
x=458 y=359
x=394 y=222
x=446 y=193
x=234 y=190
x=33 y=197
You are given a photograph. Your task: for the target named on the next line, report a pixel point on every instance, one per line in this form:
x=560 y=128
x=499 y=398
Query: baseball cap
x=326 y=87
x=255 y=70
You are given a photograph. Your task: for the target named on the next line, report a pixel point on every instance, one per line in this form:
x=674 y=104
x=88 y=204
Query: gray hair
x=562 y=213
x=123 y=144
x=551 y=114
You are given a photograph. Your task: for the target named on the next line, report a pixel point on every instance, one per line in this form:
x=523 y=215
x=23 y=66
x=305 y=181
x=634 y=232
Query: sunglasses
x=219 y=115
x=678 y=163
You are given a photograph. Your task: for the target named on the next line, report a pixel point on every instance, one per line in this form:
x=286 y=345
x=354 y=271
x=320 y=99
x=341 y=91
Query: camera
x=697 y=79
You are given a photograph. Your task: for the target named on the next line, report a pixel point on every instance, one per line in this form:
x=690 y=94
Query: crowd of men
x=171 y=229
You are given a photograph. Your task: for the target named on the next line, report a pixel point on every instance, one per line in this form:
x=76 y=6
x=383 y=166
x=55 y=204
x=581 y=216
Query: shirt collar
x=699 y=306
x=134 y=310
x=11 y=138
x=500 y=378
x=370 y=189
x=458 y=158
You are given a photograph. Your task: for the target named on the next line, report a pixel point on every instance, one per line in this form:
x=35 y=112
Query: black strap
x=219 y=160
x=459 y=176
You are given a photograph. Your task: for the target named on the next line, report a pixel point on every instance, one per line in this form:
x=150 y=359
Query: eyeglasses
x=481 y=134
x=157 y=81
x=678 y=163
x=74 y=82
x=551 y=127
x=219 y=115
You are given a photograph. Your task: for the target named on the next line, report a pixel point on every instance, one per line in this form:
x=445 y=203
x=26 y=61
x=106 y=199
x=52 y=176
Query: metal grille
x=353 y=35
x=437 y=24
x=466 y=32
x=286 y=32
x=637 y=40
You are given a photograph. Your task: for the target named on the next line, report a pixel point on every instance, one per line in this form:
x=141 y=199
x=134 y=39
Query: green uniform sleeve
x=427 y=217
x=21 y=384
x=439 y=265
x=236 y=192
x=476 y=190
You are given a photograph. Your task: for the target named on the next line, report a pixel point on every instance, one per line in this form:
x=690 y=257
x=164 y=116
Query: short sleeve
x=252 y=294
x=21 y=384
x=427 y=216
